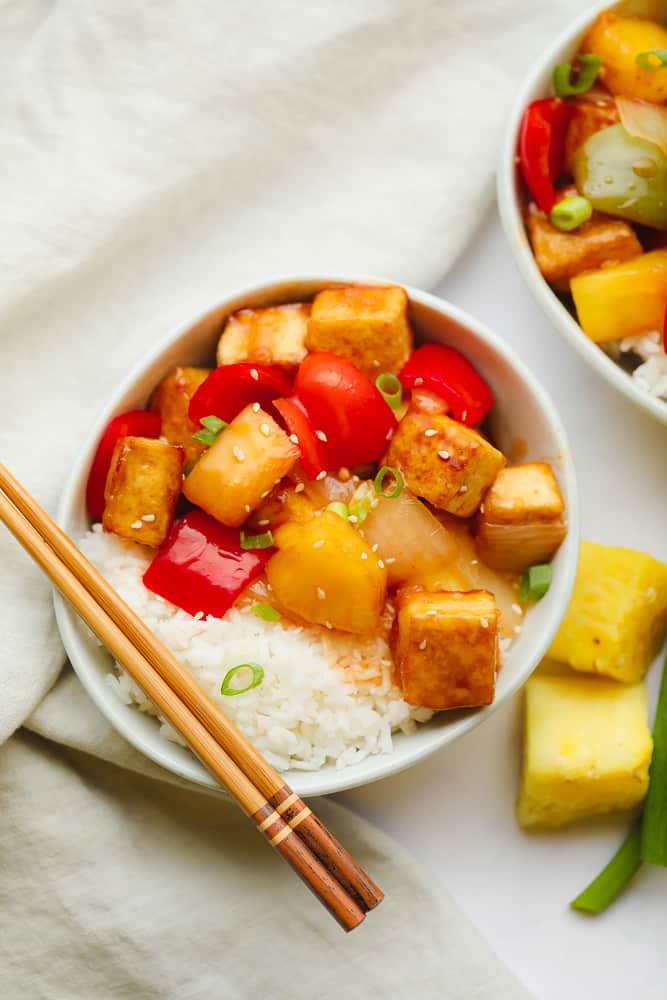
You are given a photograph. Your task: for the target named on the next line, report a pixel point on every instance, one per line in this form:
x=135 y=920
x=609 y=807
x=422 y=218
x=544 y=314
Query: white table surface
x=454 y=812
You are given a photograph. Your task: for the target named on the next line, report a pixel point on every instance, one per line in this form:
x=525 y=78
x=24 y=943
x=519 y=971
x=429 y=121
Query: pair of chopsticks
x=278 y=812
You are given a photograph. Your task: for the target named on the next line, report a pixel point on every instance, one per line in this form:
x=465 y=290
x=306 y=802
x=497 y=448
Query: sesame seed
x=148 y=518
x=484 y=623
x=463 y=489
x=344 y=474
x=265 y=429
x=294 y=439
x=318 y=544
x=321 y=436
x=321 y=593
x=269 y=587
x=328 y=624
x=263 y=522
x=474 y=562
x=199 y=616
x=419 y=381
x=247 y=508
x=299 y=488
x=444 y=455
x=380 y=564
x=137 y=524
x=375 y=547
x=321 y=475
x=254 y=374
x=516 y=608
x=517 y=629
x=422 y=644
x=430 y=432
x=238 y=453
x=431 y=611
x=364 y=555
x=464 y=415
x=265 y=494
x=255 y=407
x=353 y=518
x=390 y=560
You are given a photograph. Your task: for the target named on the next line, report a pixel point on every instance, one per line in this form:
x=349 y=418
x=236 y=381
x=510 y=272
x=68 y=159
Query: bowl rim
x=513 y=225
x=157 y=748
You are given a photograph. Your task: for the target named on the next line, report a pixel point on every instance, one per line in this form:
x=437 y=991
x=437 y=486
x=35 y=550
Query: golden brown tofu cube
x=241 y=468
x=449 y=465
x=142 y=487
x=172 y=399
x=368 y=325
x=601 y=241
x=588 y=115
x=521 y=521
x=272 y=336
x=446 y=647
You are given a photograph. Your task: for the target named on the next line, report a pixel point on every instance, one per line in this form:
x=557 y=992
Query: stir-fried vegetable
x=229 y=389
x=588 y=68
x=541 y=146
x=445 y=372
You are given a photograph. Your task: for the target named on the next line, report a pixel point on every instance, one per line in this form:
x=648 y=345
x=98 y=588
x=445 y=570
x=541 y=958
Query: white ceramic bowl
x=523 y=416
x=511 y=201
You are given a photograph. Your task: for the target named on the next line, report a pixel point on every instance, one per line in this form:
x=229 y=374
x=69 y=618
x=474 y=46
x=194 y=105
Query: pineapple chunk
x=325 y=573
x=449 y=465
x=240 y=469
x=622 y=301
x=618 y=41
x=142 y=487
x=282 y=505
x=368 y=325
x=617 y=618
x=446 y=647
x=521 y=521
x=587 y=749
x=172 y=399
x=272 y=336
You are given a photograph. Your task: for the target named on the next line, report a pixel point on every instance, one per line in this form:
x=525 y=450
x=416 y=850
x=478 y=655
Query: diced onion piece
x=515 y=547
x=644 y=120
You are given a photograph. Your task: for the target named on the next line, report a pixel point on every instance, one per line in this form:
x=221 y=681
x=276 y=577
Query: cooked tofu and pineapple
x=349 y=478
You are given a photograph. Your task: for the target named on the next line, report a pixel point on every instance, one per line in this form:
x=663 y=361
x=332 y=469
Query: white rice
x=651 y=372
x=325 y=697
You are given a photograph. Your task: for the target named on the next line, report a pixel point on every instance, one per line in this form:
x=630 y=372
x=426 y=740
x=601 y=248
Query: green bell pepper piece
x=623 y=175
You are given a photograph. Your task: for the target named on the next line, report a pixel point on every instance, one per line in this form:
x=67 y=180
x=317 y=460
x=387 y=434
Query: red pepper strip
x=346 y=408
x=447 y=374
x=202 y=567
x=541 y=148
x=138 y=423
x=227 y=390
x=313 y=455
x=664 y=333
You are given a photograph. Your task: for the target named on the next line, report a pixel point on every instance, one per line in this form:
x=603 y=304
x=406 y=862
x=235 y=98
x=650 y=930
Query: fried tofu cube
x=172 y=399
x=587 y=749
x=142 y=488
x=617 y=618
x=241 y=468
x=588 y=115
x=326 y=573
x=449 y=465
x=446 y=647
x=275 y=335
x=521 y=521
x=367 y=324
x=602 y=241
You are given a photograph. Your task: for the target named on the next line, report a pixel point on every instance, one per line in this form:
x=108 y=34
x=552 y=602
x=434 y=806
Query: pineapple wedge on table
x=587 y=749
x=617 y=618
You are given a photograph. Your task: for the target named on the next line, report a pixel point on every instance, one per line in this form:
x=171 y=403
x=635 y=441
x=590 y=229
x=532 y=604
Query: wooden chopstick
x=278 y=833
x=278 y=794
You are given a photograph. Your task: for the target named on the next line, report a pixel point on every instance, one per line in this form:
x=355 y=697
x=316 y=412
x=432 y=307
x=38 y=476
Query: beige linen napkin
x=152 y=156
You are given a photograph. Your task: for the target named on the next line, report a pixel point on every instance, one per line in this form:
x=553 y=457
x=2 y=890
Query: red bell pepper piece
x=664 y=333
x=541 y=148
x=202 y=567
x=313 y=455
x=447 y=374
x=346 y=408
x=227 y=390
x=138 y=423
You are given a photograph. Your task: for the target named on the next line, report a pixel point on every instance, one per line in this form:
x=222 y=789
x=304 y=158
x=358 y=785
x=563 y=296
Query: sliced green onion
x=339 y=508
x=263 y=541
x=611 y=881
x=189 y=466
x=390 y=387
x=653 y=59
x=360 y=509
x=385 y=471
x=212 y=427
x=589 y=67
x=570 y=213
x=257 y=673
x=654 y=824
x=535 y=582
x=266 y=612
